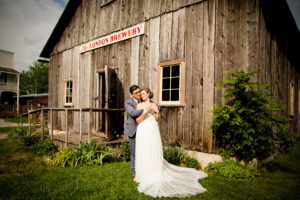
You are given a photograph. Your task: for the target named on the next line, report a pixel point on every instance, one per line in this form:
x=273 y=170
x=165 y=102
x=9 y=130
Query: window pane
x=70 y=92
x=67 y=85
x=174 y=95
x=71 y=84
x=70 y=99
x=175 y=83
x=67 y=92
x=166 y=83
x=166 y=72
x=175 y=70
x=166 y=95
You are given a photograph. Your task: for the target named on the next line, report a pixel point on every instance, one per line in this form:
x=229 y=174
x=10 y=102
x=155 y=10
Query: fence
x=50 y=112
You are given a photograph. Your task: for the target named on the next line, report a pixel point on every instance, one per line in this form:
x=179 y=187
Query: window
x=171 y=83
x=69 y=92
x=3 y=77
x=292 y=97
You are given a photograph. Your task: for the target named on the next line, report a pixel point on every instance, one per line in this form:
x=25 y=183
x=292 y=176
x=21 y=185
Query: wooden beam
x=80 y=127
x=42 y=123
x=51 y=118
x=67 y=128
x=90 y=126
x=29 y=123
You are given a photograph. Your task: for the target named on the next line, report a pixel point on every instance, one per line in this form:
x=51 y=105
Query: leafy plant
x=174 y=155
x=191 y=162
x=93 y=153
x=29 y=140
x=19 y=134
x=125 y=151
x=251 y=124
x=231 y=169
x=226 y=153
x=45 y=148
x=67 y=157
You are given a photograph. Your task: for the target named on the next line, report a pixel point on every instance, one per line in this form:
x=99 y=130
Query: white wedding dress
x=155 y=176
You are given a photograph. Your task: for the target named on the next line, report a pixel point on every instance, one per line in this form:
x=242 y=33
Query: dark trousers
x=132 y=154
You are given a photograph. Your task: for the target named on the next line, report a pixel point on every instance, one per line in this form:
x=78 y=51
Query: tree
x=251 y=124
x=35 y=80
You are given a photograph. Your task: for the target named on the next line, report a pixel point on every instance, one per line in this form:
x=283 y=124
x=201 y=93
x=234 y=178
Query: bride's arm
x=142 y=116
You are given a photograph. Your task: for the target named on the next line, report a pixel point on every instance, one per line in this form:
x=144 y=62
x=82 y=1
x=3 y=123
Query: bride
x=157 y=177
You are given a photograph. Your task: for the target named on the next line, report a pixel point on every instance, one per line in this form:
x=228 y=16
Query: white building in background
x=9 y=83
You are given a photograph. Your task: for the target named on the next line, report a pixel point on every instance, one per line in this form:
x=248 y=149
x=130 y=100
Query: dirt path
x=3 y=136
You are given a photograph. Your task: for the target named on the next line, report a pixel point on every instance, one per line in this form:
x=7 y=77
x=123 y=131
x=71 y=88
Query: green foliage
x=29 y=140
x=19 y=134
x=251 y=124
x=231 y=169
x=45 y=148
x=174 y=155
x=226 y=153
x=67 y=157
x=35 y=80
x=17 y=120
x=191 y=162
x=93 y=153
x=125 y=151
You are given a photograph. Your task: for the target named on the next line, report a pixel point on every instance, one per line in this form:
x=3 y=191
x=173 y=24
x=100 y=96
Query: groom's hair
x=132 y=88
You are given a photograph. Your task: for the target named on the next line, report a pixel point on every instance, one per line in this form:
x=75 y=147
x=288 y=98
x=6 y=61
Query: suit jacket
x=132 y=114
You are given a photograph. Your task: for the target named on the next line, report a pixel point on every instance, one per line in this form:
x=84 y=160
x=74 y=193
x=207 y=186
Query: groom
x=131 y=124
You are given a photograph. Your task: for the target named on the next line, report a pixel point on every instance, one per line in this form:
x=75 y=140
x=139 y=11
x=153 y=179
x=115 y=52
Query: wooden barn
x=177 y=48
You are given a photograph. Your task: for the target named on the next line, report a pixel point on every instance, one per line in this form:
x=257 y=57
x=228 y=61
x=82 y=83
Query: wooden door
x=110 y=122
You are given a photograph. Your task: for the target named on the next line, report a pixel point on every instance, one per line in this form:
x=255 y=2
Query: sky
x=26 y=25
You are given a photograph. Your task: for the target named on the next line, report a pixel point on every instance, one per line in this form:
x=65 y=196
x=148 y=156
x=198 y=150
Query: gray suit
x=130 y=128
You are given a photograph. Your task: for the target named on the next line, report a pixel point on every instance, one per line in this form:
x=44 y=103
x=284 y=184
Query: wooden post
x=29 y=121
x=42 y=123
x=90 y=126
x=80 y=126
x=67 y=127
x=21 y=121
x=51 y=118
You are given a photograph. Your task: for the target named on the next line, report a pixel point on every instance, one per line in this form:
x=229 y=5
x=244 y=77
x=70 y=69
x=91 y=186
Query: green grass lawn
x=17 y=120
x=24 y=176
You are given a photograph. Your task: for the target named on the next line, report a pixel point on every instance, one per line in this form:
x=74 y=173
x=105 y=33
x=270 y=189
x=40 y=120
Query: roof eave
x=59 y=28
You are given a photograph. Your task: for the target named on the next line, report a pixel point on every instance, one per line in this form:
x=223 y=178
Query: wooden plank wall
x=212 y=36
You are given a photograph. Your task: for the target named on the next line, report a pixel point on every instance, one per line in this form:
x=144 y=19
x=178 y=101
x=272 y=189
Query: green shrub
x=191 y=162
x=125 y=151
x=67 y=157
x=19 y=134
x=251 y=124
x=226 y=153
x=174 y=155
x=45 y=148
x=93 y=153
x=29 y=140
x=231 y=169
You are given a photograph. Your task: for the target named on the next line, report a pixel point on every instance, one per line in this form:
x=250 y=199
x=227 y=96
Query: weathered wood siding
x=211 y=36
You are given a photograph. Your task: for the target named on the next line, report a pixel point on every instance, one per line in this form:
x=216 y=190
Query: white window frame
x=181 y=63
x=65 y=92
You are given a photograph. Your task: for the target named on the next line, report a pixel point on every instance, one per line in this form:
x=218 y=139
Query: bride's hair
x=149 y=92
